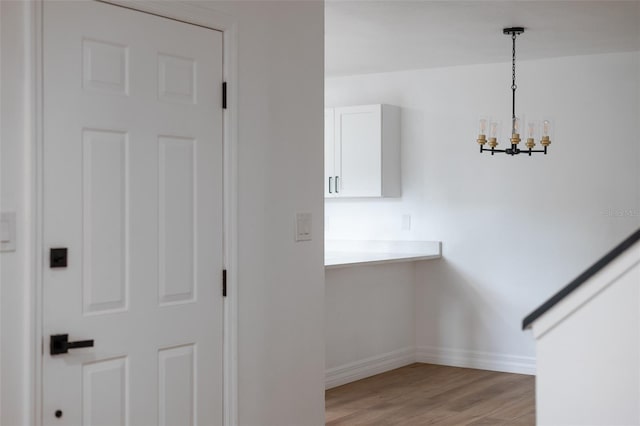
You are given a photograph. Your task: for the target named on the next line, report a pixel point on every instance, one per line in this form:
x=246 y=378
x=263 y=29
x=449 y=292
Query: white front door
x=133 y=190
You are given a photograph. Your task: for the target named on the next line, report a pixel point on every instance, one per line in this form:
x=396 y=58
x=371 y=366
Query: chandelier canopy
x=492 y=127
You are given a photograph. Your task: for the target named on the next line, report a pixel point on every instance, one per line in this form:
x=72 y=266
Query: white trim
x=476 y=359
x=36 y=110
x=368 y=367
x=188 y=13
x=230 y=357
x=371 y=366
x=191 y=13
x=587 y=291
x=1 y=209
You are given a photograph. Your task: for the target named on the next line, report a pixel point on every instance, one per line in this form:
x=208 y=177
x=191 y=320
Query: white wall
x=15 y=178
x=369 y=320
x=514 y=230
x=588 y=350
x=281 y=283
x=281 y=334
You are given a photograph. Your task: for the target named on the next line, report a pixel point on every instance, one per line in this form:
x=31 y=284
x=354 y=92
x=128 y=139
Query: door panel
x=105 y=284
x=177 y=225
x=177 y=385
x=133 y=188
x=105 y=396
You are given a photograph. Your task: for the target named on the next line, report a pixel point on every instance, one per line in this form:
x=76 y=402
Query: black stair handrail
x=581 y=279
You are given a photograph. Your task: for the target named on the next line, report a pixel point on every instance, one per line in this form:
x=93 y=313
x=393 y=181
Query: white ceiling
x=378 y=36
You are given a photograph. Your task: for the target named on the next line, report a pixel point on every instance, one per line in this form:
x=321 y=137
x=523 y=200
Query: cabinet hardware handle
x=330 y=185
x=337 y=185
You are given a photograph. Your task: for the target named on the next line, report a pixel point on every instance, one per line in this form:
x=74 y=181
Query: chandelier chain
x=513 y=81
x=513 y=62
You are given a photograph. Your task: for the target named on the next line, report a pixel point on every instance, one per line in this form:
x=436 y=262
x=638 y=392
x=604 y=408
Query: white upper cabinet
x=362 y=151
x=329 y=153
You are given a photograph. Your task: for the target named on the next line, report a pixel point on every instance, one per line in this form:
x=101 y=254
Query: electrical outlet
x=8 y=231
x=406 y=222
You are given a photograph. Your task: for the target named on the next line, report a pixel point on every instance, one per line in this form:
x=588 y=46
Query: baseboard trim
x=369 y=367
x=476 y=359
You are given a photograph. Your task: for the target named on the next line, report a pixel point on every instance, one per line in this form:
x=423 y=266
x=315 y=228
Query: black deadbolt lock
x=58 y=257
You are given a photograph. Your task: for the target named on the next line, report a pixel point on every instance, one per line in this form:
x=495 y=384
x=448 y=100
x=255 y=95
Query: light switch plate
x=7 y=231
x=303 y=227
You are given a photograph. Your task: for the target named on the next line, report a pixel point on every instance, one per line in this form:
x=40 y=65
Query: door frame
x=190 y=14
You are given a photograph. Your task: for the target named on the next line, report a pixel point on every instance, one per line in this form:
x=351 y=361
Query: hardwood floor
x=426 y=394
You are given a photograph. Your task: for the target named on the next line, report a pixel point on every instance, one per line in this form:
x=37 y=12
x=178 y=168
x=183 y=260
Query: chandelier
x=517 y=122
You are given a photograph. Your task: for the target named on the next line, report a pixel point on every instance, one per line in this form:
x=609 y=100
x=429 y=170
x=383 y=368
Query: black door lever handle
x=60 y=344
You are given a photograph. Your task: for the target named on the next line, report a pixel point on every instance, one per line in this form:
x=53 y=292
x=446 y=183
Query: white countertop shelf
x=340 y=254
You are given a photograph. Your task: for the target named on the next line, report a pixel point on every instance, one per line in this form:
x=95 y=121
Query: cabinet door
x=358 y=156
x=329 y=153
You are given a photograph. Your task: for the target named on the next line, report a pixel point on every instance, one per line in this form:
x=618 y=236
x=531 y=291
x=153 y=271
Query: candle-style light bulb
x=531 y=134
x=546 y=132
x=483 y=126
x=517 y=125
x=515 y=129
x=494 y=131
x=482 y=131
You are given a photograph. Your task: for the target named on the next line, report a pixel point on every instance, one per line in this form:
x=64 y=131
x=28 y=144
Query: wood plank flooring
x=426 y=394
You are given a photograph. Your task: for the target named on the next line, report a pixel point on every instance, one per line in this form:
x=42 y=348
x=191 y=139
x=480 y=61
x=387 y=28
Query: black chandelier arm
x=543 y=150
x=510 y=151
x=483 y=149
